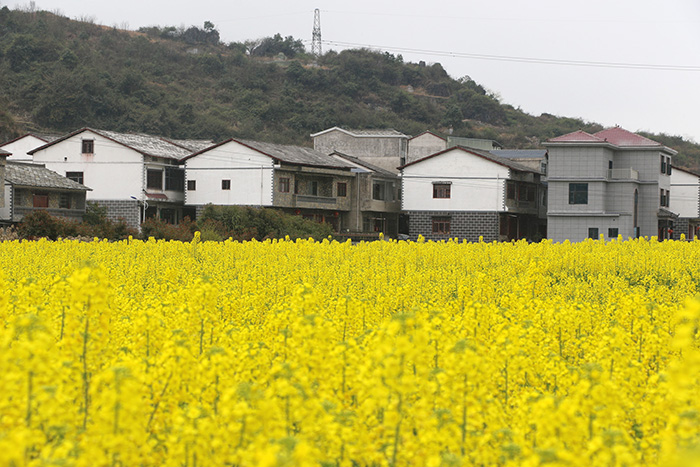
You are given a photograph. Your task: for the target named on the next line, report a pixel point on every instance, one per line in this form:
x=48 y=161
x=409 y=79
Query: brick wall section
x=129 y=210
x=464 y=225
x=680 y=226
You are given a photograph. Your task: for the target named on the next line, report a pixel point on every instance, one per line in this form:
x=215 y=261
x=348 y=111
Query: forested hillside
x=60 y=74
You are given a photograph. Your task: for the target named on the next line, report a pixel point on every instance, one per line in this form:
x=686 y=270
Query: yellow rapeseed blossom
x=303 y=353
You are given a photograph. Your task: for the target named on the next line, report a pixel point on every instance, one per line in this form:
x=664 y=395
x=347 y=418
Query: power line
x=507 y=58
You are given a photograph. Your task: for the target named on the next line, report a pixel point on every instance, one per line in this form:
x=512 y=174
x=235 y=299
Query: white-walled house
x=685 y=186
x=20 y=147
x=468 y=193
x=135 y=176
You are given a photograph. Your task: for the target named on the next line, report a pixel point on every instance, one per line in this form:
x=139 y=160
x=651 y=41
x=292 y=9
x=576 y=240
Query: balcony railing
x=623 y=174
x=315 y=199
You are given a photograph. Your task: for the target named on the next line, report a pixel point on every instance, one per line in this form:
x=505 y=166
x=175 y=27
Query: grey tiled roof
x=194 y=145
x=520 y=153
x=367 y=165
x=297 y=155
x=147 y=144
x=364 y=133
x=33 y=175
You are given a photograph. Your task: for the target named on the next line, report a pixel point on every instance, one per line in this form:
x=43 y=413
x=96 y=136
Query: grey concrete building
x=610 y=183
x=385 y=148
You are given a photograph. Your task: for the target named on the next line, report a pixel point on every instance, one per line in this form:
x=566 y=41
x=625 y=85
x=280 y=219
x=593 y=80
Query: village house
x=30 y=187
x=610 y=183
x=135 y=176
x=20 y=147
x=467 y=193
x=385 y=148
x=428 y=143
x=297 y=180
x=685 y=185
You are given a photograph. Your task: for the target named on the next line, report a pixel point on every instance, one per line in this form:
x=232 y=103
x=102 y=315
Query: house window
x=296 y=186
x=613 y=232
x=191 y=185
x=530 y=193
x=663 y=164
x=668 y=167
x=610 y=165
x=662 y=197
x=668 y=198
x=578 y=193
x=313 y=188
x=378 y=191
x=88 y=146
x=442 y=190
x=522 y=192
x=510 y=191
x=40 y=200
x=154 y=179
x=284 y=185
x=64 y=201
x=75 y=176
x=342 y=189
x=225 y=184
x=593 y=232
x=174 y=179
x=441 y=225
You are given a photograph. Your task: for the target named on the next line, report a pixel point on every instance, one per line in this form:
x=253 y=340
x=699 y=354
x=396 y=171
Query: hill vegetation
x=61 y=74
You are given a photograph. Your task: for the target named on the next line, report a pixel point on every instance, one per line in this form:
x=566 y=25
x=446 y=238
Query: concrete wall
x=576 y=228
x=477 y=184
x=387 y=152
x=424 y=145
x=113 y=172
x=6 y=206
x=250 y=173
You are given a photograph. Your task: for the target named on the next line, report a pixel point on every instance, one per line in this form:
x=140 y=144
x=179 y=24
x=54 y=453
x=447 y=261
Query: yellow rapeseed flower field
x=281 y=353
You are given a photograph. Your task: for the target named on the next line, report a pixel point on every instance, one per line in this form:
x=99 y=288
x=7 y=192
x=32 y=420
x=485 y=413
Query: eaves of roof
x=483 y=154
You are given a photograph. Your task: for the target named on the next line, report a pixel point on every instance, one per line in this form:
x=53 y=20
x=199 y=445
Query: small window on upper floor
x=578 y=193
x=442 y=190
x=75 y=176
x=191 y=185
x=342 y=189
x=663 y=164
x=284 y=185
x=154 y=179
x=225 y=184
x=668 y=167
x=88 y=146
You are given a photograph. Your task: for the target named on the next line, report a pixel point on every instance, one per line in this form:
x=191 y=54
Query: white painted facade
x=476 y=183
x=113 y=171
x=249 y=171
x=21 y=146
x=685 y=193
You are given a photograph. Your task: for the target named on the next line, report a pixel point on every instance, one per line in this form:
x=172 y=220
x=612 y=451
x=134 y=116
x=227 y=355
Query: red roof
x=156 y=196
x=621 y=137
x=577 y=137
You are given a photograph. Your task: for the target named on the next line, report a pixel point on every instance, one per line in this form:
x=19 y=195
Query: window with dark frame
x=342 y=189
x=64 y=201
x=191 y=185
x=668 y=167
x=154 y=179
x=88 y=146
x=313 y=188
x=284 y=185
x=442 y=190
x=378 y=192
x=578 y=193
x=441 y=225
x=174 y=179
x=613 y=232
x=225 y=184
x=662 y=197
x=510 y=191
x=593 y=233
x=75 y=176
x=296 y=186
x=668 y=198
x=663 y=164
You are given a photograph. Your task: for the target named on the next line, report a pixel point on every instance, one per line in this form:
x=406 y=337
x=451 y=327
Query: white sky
x=640 y=32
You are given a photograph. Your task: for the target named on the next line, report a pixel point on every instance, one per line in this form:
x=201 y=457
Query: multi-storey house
x=135 y=176
x=610 y=183
x=468 y=193
x=386 y=148
x=685 y=185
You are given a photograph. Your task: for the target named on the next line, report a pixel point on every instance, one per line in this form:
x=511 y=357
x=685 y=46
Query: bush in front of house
x=159 y=229
x=247 y=223
x=41 y=224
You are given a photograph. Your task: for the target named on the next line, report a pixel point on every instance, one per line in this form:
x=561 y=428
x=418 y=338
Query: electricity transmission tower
x=316 y=35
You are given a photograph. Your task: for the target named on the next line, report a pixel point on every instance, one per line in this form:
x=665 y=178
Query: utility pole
x=316 y=35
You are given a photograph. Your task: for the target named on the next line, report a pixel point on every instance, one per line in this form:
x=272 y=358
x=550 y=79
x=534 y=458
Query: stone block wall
x=129 y=210
x=464 y=225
